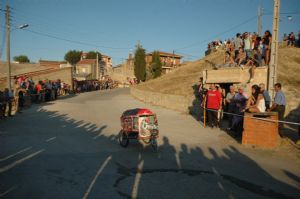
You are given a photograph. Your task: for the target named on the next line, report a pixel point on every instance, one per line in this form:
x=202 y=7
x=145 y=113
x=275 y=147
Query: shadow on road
x=73 y=166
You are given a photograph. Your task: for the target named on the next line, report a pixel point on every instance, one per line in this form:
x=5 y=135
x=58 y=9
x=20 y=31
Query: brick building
x=168 y=60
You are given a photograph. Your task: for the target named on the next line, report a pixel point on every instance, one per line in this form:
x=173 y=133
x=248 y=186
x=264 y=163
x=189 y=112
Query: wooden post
x=204 y=112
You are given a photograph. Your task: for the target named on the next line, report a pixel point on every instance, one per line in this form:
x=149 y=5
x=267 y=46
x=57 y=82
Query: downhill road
x=68 y=149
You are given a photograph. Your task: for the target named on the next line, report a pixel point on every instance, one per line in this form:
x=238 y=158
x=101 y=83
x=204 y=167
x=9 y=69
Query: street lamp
x=8 y=31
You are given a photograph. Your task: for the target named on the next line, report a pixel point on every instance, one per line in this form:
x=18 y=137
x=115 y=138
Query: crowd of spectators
x=25 y=91
x=234 y=104
x=93 y=85
x=249 y=50
x=290 y=39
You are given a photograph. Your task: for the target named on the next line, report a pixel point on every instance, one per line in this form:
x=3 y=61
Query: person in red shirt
x=214 y=103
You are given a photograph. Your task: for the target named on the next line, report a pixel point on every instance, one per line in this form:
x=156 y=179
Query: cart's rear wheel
x=123 y=139
x=154 y=144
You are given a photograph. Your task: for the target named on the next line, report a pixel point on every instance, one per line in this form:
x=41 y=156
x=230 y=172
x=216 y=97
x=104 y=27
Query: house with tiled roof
x=168 y=60
x=86 y=69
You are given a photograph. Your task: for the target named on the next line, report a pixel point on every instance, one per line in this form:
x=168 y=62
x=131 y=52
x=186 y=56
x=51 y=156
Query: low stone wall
x=174 y=102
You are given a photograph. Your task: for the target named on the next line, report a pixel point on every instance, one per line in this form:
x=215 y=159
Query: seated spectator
x=253 y=63
x=241 y=57
x=228 y=61
x=256 y=103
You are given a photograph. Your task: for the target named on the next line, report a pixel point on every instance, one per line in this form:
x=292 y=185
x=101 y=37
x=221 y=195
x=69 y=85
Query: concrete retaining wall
x=174 y=102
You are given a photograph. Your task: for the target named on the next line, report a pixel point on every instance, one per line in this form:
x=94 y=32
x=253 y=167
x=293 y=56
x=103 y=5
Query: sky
x=114 y=27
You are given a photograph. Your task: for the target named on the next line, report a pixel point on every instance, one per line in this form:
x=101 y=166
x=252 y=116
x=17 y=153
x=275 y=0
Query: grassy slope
x=181 y=80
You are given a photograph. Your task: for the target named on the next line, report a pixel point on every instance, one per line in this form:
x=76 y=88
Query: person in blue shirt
x=279 y=104
x=266 y=95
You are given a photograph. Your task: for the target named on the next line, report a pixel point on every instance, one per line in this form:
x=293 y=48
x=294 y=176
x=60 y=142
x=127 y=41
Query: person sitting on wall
x=241 y=57
x=228 y=61
x=256 y=103
x=253 y=63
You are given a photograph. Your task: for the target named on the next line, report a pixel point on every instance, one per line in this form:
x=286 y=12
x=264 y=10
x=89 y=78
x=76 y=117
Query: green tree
x=21 y=59
x=156 y=66
x=73 y=57
x=93 y=55
x=140 y=63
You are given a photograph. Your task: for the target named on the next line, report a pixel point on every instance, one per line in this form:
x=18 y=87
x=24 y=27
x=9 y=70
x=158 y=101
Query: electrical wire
x=220 y=34
x=72 y=41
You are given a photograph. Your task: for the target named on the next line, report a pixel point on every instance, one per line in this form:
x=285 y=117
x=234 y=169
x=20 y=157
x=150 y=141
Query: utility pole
x=259 y=20
x=7 y=16
x=97 y=65
x=272 y=75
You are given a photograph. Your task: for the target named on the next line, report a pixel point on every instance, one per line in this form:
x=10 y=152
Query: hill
x=181 y=80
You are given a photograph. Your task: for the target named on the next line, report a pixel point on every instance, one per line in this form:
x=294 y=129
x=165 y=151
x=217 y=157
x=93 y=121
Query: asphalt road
x=68 y=149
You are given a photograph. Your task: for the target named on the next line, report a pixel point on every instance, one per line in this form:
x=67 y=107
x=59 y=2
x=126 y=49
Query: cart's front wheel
x=154 y=144
x=123 y=139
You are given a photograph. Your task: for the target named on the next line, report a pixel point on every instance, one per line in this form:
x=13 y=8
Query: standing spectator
x=237 y=42
x=279 y=104
x=291 y=39
x=267 y=41
x=260 y=50
x=247 y=44
x=299 y=41
x=214 y=103
x=266 y=95
x=240 y=100
x=2 y=105
x=8 y=99
x=230 y=106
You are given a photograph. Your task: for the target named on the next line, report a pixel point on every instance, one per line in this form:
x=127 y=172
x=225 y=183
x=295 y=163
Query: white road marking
x=17 y=153
x=50 y=139
x=3 y=169
x=96 y=176
x=9 y=190
x=135 y=188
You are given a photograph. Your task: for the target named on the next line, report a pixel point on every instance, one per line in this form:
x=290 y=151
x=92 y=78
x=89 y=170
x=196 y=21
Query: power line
x=217 y=35
x=73 y=41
